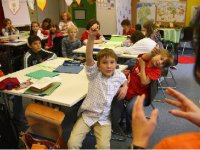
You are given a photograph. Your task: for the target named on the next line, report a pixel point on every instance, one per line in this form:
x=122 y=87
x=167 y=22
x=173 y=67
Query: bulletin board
x=171 y=11
x=145 y=11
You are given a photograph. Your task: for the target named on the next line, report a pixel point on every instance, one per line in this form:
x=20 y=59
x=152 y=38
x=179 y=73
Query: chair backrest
x=138 y=27
x=153 y=91
x=161 y=33
x=187 y=34
x=107 y=36
x=57 y=46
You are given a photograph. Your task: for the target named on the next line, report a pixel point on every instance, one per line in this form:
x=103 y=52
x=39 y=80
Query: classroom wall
x=51 y=11
x=190 y=4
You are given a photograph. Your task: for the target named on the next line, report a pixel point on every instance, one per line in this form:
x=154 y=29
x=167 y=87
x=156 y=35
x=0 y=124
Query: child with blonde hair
x=70 y=42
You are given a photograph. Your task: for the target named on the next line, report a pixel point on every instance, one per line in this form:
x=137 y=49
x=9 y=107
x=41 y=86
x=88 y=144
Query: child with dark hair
x=45 y=27
x=136 y=36
x=8 y=28
x=98 y=39
x=127 y=29
x=54 y=32
x=36 y=30
x=36 y=54
x=104 y=82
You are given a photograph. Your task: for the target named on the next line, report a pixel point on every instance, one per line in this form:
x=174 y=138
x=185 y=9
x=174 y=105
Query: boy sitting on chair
x=36 y=54
x=104 y=82
x=147 y=68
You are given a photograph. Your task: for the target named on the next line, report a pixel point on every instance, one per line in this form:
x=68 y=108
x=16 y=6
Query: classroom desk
x=115 y=43
x=73 y=88
x=171 y=34
x=119 y=51
x=14 y=51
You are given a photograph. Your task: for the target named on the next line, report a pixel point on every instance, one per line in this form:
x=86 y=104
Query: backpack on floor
x=8 y=131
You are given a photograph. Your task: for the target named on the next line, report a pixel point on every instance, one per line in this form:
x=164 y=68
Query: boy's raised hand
x=93 y=31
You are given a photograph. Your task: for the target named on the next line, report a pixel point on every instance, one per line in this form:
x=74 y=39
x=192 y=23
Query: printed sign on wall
x=14 y=6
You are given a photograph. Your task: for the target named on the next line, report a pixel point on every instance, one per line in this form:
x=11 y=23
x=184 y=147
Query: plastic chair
x=138 y=27
x=187 y=36
x=167 y=72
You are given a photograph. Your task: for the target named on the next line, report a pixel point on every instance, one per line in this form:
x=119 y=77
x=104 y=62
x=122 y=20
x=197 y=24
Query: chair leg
x=171 y=77
x=162 y=90
x=183 y=48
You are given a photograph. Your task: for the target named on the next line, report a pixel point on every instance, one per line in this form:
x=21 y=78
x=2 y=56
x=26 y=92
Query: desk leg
x=6 y=101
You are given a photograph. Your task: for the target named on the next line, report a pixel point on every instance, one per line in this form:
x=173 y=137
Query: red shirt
x=85 y=36
x=130 y=31
x=135 y=86
x=50 y=39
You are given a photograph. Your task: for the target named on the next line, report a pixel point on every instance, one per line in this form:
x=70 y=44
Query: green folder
x=48 y=91
x=118 y=38
x=41 y=73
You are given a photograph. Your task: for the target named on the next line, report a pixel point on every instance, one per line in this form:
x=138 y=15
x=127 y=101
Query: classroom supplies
x=69 y=69
x=69 y=66
x=42 y=73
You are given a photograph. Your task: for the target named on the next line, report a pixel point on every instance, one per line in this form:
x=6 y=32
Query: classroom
x=99 y=74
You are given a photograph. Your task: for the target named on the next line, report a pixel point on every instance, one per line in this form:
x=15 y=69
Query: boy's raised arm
x=92 y=32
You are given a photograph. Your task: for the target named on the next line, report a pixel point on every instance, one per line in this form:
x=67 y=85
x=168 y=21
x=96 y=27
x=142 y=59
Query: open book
x=42 y=84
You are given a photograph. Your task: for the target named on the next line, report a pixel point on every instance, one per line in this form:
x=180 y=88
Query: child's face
x=9 y=24
x=64 y=16
x=35 y=46
x=45 y=24
x=125 y=27
x=35 y=27
x=158 y=61
x=53 y=29
x=72 y=34
x=107 y=66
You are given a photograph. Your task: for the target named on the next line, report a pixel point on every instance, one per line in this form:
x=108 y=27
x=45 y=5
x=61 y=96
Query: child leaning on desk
x=8 y=28
x=104 y=83
x=36 y=54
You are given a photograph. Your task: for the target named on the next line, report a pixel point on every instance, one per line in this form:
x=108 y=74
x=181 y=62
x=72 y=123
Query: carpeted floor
x=186 y=59
x=167 y=124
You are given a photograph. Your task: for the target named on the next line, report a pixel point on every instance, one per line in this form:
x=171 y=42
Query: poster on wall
x=17 y=19
x=145 y=11
x=123 y=11
x=109 y=4
x=171 y=11
x=14 y=6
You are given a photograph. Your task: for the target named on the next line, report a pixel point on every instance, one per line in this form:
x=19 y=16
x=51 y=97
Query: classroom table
x=14 y=51
x=73 y=87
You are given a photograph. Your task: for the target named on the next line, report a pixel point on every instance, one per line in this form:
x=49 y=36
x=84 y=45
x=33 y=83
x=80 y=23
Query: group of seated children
x=99 y=109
